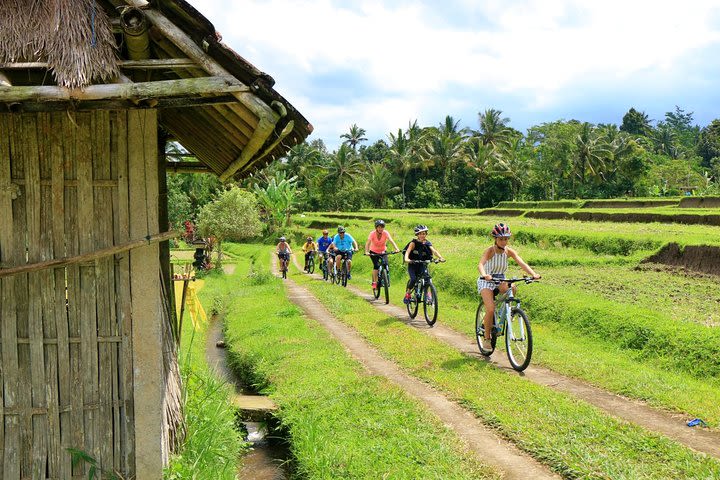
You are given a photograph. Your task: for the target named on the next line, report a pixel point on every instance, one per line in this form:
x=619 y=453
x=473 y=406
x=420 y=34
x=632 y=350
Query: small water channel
x=269 y=453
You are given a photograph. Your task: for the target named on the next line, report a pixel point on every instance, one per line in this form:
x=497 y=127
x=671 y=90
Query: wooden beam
x=187 y=167
x=267 y=116
x=59 y=106
x=149 y=64
x=127 y=91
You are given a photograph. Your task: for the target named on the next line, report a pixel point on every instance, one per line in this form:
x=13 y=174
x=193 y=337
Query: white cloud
x=410 y=60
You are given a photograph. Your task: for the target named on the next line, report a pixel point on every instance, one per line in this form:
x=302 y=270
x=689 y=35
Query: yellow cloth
x=308 y=247
x=193 y=307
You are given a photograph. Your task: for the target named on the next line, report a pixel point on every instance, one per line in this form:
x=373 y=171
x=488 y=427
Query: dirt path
x=489 y=447
x=672 y=425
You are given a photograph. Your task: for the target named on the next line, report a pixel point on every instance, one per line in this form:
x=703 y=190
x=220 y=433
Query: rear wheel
x=385 y=285
x=430 y=304
x=284 y=268
x=518 y=340
x=480 y=331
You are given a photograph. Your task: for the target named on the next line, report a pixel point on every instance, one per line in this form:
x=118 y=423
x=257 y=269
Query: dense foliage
x=446 y=166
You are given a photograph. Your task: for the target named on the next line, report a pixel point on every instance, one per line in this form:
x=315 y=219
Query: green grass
x=213 y=445
x=573 y=438
x=341 y=422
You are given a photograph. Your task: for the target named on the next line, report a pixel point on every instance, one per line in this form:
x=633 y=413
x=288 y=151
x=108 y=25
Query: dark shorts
x=284 y=256
x=377 y=258
x=348 y=254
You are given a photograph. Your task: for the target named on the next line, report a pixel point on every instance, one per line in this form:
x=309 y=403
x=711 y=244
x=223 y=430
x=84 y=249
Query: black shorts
x=377 y=258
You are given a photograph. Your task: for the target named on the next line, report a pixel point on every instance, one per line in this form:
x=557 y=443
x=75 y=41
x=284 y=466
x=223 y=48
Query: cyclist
x=419 y=248
x=492 y=266
x=309 y=249
x=343 y=245
x=283 y=250
x=376 y=244
x=323 y=242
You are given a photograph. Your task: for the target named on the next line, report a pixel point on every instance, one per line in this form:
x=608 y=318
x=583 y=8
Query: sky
x=383 y=64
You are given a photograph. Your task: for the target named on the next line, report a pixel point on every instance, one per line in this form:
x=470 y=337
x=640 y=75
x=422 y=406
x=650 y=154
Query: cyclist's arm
x=436 y=253
x=485 y=257
x=277 y=248
x=407 y=252
x=513 y=254
x=393 y=242
x=367 y=244
x=355 y=244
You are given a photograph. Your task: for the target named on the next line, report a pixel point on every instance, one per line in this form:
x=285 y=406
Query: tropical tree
x=592 y=152
x=354 y=136
x=481 y=159
x=278 y=198
x=493 y=129
x=232 y=216
x=343 y=167
x=635 y=123
x=403 y=157
x=381 y=185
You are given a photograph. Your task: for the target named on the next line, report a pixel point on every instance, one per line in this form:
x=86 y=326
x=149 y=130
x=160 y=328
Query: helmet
x=420 y=228
x=501 y=230
x=282 y=239
x=379 y=223
x=309 y=239
x=341 y=229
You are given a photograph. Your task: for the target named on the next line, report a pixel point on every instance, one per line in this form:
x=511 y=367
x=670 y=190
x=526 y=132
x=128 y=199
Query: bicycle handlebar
x=371 y=254
x=510 y=281
x=434 y=260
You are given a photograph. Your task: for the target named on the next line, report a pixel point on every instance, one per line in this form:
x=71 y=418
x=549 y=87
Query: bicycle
x=310 y=268
x=425 y=293
x=383 y=279
x=323 y=265
x=518 y=335
x=342 y=275
x=283 y=264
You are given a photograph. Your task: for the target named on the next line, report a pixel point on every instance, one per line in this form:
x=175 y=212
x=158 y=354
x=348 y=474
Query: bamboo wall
x=79 y=345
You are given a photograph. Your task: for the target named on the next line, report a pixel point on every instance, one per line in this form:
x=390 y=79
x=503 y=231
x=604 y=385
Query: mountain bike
x=310 y=268
x=323 y=265
x=342 y=275
x=284 y=258
x=383 y=278
x=509 y=320
x=425 y=293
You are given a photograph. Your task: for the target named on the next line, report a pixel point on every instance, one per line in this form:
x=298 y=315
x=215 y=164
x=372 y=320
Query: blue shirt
x=323 y=243
x=345 y=244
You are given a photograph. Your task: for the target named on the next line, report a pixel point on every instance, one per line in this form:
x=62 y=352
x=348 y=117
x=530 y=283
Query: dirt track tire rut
x=489 y=447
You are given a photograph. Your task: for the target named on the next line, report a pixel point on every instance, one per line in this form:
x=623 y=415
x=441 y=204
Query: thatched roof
x=74 y=37
x=233 y=130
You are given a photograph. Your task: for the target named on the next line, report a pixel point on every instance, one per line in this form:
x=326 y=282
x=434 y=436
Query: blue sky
x=382 y=64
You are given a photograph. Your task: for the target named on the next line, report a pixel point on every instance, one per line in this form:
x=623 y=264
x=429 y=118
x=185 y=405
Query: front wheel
x=311 y=265
x=385 y=283
x=378 y=286
x=518 y=340
x=324 y=268
x=430 y=304
x=284 y=269
x=480 y=331
x=412 y=307
x=344 y=274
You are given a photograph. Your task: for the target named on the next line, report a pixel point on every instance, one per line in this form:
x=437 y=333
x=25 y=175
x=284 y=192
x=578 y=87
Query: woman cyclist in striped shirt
x=492 y=266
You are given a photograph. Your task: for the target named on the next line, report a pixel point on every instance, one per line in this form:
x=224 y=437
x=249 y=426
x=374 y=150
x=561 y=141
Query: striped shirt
x=496 y=266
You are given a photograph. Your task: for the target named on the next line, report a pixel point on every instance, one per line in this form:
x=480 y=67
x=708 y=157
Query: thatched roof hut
x=89 y=92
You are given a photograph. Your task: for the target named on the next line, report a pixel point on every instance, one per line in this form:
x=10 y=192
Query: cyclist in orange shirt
x=376 y=244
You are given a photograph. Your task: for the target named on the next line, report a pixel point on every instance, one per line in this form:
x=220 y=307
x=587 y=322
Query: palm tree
x=493 y=129
x=480 y=158
x=354 y=136
x=404 y=156
x=443 y=146
x=381 y=184
x=592 y=152
x=343 y=167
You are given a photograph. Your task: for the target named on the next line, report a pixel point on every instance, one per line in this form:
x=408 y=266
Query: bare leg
x=488 y=300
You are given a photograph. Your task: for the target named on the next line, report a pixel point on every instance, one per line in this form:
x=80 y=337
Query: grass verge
x=572 y=437
x=342 y=423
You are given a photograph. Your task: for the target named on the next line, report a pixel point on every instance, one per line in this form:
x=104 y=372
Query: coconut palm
x=481 y=159
x=592 y=153
x=354 y=136
x=404 y=156
x=381 y=184
x=343 y=167
x=493 y=129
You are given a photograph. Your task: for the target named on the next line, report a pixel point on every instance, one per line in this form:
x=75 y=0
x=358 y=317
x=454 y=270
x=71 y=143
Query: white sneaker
x=486 y=344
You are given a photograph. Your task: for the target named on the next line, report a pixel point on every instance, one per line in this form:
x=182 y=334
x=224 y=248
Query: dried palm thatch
x=73 y=36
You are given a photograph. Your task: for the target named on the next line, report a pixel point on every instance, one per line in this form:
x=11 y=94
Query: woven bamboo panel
x=66 y=351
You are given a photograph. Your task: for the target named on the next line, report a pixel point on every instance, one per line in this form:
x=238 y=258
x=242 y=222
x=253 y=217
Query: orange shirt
x=377 y=245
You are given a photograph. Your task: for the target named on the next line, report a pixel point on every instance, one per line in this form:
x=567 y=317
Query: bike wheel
x=518 y=340
x=311 y=265
x=385 y=282
x=412 y=307
x=324 y=269
x=430 y=304
x=344 y=274
x=480 y=331
x=284 y=270
x=378 y=286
